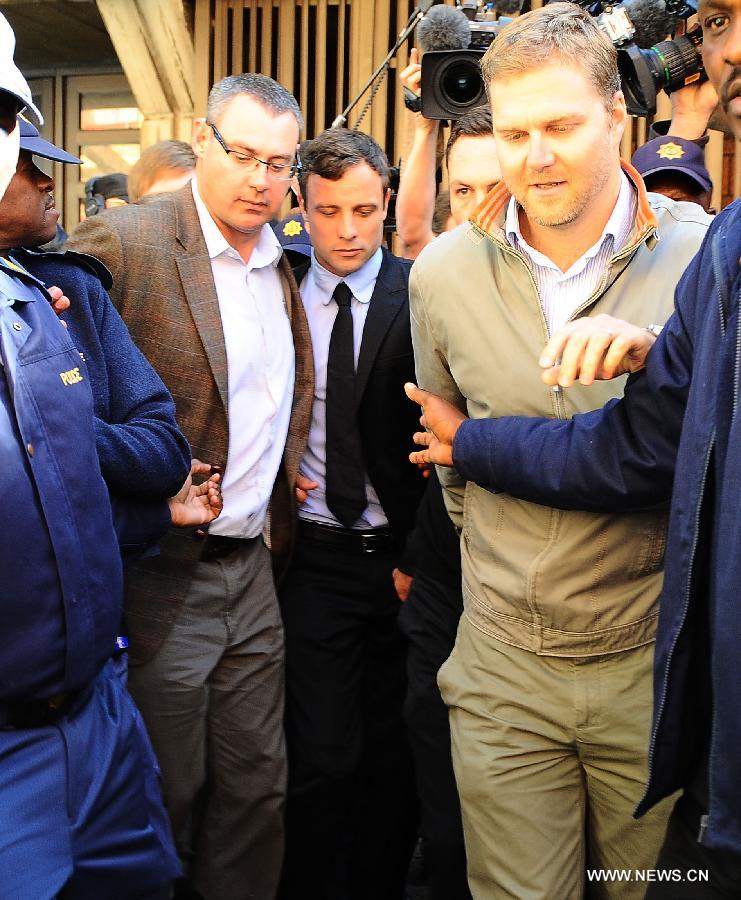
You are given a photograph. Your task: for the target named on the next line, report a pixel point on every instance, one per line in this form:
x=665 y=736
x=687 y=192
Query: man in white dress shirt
x=201 y=282
x=549 y=683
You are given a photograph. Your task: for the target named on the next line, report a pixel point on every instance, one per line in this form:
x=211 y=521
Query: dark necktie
x=345 y=470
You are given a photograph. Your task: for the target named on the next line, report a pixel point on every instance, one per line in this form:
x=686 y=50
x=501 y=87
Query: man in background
x=675 y=167
x=165 y=166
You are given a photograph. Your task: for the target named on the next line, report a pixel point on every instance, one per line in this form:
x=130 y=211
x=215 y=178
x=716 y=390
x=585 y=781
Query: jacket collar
x=388 y=297
x=490 y=215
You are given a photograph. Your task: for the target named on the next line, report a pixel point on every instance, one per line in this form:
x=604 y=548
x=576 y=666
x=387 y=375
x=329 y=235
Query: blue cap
x=292 y=234
x=673 y=154
x=32 y=142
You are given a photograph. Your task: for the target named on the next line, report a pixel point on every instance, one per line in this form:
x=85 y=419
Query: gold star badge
x=292 y=228
x=670 y=151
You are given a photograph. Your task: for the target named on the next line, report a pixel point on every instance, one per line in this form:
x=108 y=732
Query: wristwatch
x=654 y=329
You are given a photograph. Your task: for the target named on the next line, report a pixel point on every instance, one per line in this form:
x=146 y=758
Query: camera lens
x=679 y=61
x=451 y=83
x=461 y=84
x=669 y=65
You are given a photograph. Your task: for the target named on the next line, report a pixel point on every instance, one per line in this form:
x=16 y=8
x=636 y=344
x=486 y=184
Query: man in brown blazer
x=201 y=283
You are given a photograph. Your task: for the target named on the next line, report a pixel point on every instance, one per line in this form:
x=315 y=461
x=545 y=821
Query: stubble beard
x=554 y=214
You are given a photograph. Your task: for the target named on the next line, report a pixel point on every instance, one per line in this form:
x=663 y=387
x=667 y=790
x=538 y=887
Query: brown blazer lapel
x=283 y=504
x=196 y=275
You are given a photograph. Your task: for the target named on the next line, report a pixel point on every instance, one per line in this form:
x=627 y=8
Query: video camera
x=648 y=62
x=451 y=78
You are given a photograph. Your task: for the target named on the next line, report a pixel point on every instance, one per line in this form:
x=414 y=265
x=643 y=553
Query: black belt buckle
x=349 y=540
x=373 y=543
x=218 y=546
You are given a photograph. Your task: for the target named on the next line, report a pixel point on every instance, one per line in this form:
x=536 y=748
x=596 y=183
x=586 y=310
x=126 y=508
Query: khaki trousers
x=550 y=755
x=212 y=700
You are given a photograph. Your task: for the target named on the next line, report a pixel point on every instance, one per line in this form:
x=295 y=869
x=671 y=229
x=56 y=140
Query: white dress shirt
x=562 y=293
x=321 y=310
x=260 y=371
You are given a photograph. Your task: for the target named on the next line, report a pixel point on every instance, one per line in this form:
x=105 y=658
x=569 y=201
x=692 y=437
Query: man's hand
x=441 y=421
x=197 y=504
x=411 y=76
x=60 y=302
x=692 y=107
x=595 y=348
x=303 y=486
x=402 y=583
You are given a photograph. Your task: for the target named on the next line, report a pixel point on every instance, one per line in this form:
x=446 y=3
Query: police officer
x=78 y=797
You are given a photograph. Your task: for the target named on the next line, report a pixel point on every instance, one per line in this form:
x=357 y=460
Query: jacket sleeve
x=96 y=237
x=615 y=459
x=139 y=526
x=142 y=451
x=433 y=375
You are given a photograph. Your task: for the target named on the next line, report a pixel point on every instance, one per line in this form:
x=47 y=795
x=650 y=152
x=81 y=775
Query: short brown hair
x=560 y=30
x=165 y=156
x=474 y=122
x=334 y=151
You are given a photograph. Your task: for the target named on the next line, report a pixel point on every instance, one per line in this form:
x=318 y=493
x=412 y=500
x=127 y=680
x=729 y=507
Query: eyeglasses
x=249 y=162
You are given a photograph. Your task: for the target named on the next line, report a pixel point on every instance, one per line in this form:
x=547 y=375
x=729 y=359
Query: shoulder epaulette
x=71 y=257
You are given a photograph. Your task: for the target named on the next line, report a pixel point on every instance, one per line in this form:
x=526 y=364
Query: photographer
x=471 y=160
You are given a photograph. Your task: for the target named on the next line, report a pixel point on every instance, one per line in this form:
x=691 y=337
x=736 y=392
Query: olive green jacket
x=551 y=581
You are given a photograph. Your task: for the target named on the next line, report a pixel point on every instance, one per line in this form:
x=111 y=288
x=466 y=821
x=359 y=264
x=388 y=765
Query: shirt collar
x=361 y=282
x=266 y=252
x=13 y=290
x=618 y=226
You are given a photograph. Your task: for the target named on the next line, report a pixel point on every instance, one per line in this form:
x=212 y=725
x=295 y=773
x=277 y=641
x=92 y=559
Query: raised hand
x=594 y=348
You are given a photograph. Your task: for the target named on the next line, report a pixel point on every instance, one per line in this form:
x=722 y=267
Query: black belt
x=217 y=546
x=36 y=713
x=349 y=540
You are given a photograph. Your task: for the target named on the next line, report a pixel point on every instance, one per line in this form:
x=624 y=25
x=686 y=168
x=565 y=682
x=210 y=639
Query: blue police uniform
x=79 y=804
x=143 y=455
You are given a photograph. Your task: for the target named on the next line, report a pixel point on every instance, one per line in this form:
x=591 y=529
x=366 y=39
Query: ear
x=618 y=117
x=386 y=198
x=200 y=135
x=302 y=206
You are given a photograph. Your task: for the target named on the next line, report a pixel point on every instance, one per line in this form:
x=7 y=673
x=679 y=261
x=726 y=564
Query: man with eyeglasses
x=200 y=280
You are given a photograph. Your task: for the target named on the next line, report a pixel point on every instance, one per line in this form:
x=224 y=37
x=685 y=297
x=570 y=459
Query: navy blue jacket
x=142 y=452
x=60 y=597
x=674 y=435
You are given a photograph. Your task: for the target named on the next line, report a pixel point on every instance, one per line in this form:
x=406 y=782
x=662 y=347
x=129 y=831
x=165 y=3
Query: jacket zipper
x=560 y=408
x=737 y=367
x=685 y=607
x=628 y=250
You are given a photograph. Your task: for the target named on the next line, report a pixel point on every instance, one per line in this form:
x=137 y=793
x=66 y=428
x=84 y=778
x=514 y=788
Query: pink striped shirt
x=562 y=293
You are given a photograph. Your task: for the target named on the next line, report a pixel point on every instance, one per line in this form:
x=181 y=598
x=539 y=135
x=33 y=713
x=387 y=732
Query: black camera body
x=451 y=83
x=648 y=62
x=451 y=79
x=669 y=65
x=483 y=33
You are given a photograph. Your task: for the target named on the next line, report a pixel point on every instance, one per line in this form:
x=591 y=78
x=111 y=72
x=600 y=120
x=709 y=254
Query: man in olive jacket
x=549 y=684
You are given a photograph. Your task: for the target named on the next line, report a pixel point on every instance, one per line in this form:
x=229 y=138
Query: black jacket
x=386 y=417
